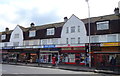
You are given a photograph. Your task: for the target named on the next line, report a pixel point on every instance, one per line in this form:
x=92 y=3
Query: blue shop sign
x=49 y=46
x=8 y=47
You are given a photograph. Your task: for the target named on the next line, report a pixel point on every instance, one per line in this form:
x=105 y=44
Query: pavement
x=69 y=67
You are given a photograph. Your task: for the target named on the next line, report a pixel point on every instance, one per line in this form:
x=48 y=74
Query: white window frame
x=3 y=37
x=32 y=33
x=78 y=28
x=6 y=44
x=67 y=41
x=104 y=25
x=51 y=31
x=72 y=40
x=73 y=29
x=16 y=36
x=67 y=29
x=109 y=38
x=78 y=40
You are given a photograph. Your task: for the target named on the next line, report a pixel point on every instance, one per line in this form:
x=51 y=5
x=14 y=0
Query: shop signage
x=110 y=44
x=49 y=46
x=22 y=47
x=8 y=47
x=37 y=47
x=71 y=45
x=28 y=46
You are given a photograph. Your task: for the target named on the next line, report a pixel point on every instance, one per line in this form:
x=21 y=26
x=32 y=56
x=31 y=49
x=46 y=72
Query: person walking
x=113 y=63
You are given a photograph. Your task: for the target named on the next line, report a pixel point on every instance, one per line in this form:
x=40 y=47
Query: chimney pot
x=65 y=19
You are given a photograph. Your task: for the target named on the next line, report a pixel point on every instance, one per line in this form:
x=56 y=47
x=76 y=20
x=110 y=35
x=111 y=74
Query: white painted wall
x=19 y=31
x=74 y=21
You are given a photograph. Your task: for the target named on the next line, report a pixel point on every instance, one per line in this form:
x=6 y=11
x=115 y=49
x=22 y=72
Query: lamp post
x=89 y=33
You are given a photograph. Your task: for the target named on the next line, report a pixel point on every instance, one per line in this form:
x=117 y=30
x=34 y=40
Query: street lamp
x=89 y=32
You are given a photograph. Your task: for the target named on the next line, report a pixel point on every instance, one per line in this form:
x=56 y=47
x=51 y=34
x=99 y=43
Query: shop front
x=107 y=51
x=46 y=54
x=73 y=55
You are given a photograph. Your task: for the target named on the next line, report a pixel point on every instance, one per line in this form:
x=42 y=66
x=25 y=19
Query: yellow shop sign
x=111 y=44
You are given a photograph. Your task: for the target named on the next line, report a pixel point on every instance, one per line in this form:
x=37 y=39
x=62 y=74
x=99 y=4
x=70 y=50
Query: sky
x=40 y=12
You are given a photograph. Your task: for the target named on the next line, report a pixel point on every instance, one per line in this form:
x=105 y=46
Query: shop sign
x=110 y=44
x=49 y=46
x=8 y=48
x=71 y=45
x=28 y=46
x=37 y=47
x=22 y=47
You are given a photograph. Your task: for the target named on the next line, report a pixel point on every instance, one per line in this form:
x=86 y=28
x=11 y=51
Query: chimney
x=116 y=11
x=6 y=29
x=32 y=24
x=65 y=19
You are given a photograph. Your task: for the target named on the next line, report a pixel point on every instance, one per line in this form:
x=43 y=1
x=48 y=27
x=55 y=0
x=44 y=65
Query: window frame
x=50 y=31
x=103 y=25
x=32 y=33
x=3 y=37
x=73 y=29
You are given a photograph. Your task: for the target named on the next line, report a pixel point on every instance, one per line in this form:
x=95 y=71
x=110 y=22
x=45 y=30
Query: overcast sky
x=23 y=12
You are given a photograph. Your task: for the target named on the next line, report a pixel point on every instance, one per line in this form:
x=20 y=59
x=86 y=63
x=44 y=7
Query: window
x=103 y=25
x=3 y=37
x=67 y=29
x=72 y=40
x=15 y=43
x=51 y=31
x=35 y=42
x=32 y=33
x=94 y=39
x=5 y=44
x=55 y=41
x=78 y=40
x=26 y=43
x=78 y=28
x=111 y=38
x=73 y=29
x=44 y=42
x=67 y=41
x=16 y=36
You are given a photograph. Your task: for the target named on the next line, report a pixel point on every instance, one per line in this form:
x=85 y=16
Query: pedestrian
x=113 y=63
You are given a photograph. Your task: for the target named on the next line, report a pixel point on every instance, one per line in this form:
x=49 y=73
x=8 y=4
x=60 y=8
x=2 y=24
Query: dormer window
x=3 y=37
x=103 y=25
x=51 y=31
x=32 y=33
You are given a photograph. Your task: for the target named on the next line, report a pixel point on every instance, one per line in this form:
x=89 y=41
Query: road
x=16 y=69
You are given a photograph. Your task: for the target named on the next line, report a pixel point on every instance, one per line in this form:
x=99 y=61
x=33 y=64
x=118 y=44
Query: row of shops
x=101 y=54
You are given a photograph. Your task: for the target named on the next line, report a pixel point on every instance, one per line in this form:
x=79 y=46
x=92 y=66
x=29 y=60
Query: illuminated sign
x=110 y=44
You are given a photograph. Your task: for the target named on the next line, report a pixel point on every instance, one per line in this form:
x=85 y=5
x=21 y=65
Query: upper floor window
x=72 y=40
x=94 y=38
x=67 y=29
x=16 y=36
x=5 y=44
x=78 y=40
x=51 y=31
x=73 y=29
x=32 y=33
x=78 y=28
x=3 y=37
x=103 y=25
x=26 y=43
x=67 y=42
x=111 y=38
x=15 y=43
